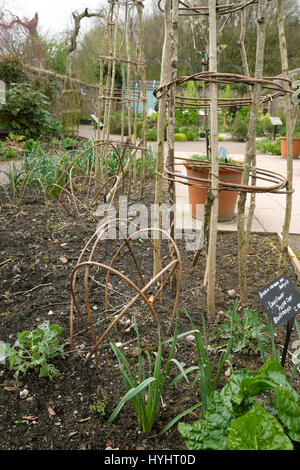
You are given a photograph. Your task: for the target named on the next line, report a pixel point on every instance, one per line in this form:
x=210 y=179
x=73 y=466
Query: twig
x=27 y=291
x=5 y=262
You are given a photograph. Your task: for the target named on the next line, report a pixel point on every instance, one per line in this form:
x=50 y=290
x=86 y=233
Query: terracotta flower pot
x=296 y=147
x=227 y=199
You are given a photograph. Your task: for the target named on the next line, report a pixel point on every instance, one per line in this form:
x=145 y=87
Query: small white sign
x=94 y=117
x=2 y=92
x=276 y=121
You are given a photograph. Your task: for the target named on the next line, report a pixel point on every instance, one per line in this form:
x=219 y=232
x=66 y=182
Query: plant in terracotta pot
x=296 y=133
x=198 y=172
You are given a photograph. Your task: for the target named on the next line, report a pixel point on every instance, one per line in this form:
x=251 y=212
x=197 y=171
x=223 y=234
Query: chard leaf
x=211 y=432
x=269 y=377
x=287 y=402
x=193 y=434
x=273 y=372
x=257 y=430
x=231 y=392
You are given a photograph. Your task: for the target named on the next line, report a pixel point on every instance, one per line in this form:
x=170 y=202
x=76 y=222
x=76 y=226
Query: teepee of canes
x=122 y=53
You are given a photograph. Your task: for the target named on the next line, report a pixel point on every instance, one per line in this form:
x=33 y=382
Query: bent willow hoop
x=274 y=89
x=185 y=9
x=113 y=277
x=276 y=182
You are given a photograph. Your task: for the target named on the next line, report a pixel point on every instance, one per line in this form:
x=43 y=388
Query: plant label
x=223 y=153
x=280 y=299
x=276 y=121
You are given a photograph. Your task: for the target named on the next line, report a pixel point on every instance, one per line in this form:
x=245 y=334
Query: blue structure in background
x=134 y=89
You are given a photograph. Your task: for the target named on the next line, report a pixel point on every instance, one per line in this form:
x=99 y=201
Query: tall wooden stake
x=287 y=112
x=213 y=90
x=165 y=77
x=250 y=153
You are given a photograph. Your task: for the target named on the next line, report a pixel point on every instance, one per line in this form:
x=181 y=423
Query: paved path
x=270 y=208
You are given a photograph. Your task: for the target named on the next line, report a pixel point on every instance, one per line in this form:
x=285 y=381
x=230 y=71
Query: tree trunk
x=171 y=115
x=165 y=77
x=289 y=131
x=250 y=153
x=213 y=88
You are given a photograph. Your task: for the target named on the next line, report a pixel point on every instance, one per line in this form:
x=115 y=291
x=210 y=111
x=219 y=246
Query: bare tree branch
x=77 y=17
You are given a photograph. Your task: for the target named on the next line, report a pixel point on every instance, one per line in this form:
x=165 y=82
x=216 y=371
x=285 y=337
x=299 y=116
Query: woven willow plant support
x=255 y=85
x=122 y=49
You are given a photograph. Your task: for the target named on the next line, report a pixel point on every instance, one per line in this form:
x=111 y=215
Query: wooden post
x=171 y=115
x=250 y=153
x=165 y=77
x=289 y=131
x=214 y=192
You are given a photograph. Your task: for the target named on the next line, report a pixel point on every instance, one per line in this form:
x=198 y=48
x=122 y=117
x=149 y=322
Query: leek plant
x=145 y=393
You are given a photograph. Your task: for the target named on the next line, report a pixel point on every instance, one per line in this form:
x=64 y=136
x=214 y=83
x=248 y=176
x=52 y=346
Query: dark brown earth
x=42 y=249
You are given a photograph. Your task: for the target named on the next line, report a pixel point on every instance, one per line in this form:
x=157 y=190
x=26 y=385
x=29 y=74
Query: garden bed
x=70 y=411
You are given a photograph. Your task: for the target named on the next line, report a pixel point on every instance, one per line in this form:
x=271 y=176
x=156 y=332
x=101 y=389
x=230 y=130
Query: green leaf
x=257 y=430
x=287 y=401
x=178 y=417
x=252 y=386
x=129 y=396
x=212 y=432
x=231 y=392
x=193 y=434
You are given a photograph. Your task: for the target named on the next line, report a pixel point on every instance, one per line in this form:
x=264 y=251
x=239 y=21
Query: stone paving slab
x=270 y=208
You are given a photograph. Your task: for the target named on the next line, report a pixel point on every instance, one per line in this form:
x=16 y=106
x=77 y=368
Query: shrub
x=116 y=123
x=239 y=128
x=269 y=146
x=191 y=134
x=264 y=126
x=295 y=134
x=152 y=134
x=11 y=70
x=180 y=137
x=26 y=112
x=186 y=116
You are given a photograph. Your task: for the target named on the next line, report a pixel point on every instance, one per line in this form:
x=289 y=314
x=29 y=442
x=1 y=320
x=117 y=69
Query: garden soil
x=38 y=251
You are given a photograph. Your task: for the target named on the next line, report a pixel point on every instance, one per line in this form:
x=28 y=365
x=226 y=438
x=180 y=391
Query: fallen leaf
x=10 y=389
x=51 y=411
x=16 y=269
x=231 y=292
x=56 y=241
